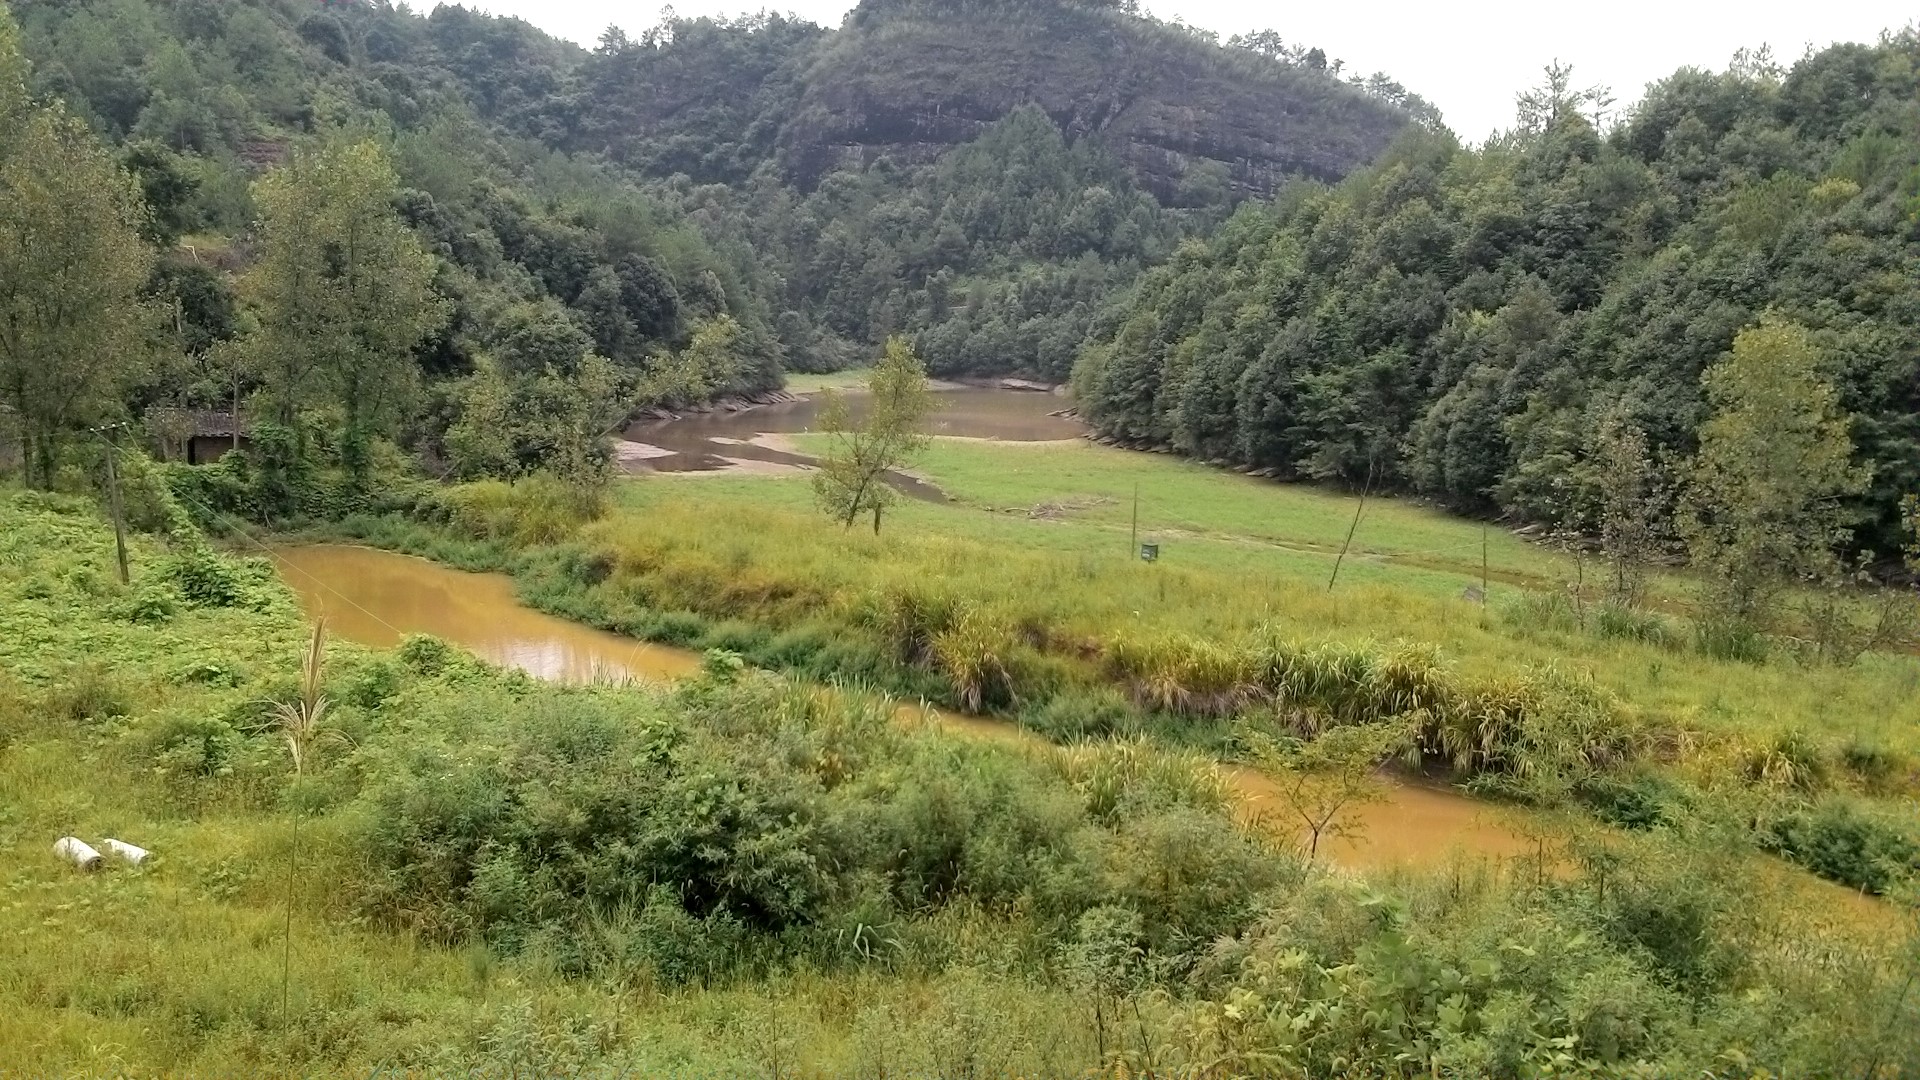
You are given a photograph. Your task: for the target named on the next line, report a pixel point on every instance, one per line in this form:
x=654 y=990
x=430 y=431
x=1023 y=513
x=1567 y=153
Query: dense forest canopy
x=721 y=200
x=1460 y=322
x=663 y=204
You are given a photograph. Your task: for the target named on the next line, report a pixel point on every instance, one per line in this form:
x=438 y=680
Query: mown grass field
x=1041 y=532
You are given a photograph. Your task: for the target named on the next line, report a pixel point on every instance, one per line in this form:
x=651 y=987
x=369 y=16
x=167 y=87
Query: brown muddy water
x=376 y=597
x=725 y=442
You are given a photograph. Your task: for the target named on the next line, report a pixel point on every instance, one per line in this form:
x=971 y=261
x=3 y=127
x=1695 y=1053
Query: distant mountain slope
x=912 y=78
x=906 y=80
x=981 y=176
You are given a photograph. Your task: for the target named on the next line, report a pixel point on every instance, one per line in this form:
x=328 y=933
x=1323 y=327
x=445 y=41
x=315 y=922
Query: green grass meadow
x=1042 y=532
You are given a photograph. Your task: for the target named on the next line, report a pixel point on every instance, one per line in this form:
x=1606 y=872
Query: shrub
x=537 y=509
x=1080 y=714
x=978 y=654
x=1790 y=759
x=1874 y=764
x=182 y=746
x=1839 y=842
x=1642 y=800
x=205 y=578
x=1730 y=639
x=429 y=656
x=89 y=691
x=373 y=684
x=1673 y=917
x=682 y=628
x=152 y=603
x=910 y=619
x=1184 y=674
x=1541 y=611
x=1632 y=624
x=214 y=673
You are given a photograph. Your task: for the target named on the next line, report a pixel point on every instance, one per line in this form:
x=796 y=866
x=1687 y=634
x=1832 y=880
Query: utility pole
x=1351 y=529
x=113 y=503
x=1483 y=570
x=1133 y=539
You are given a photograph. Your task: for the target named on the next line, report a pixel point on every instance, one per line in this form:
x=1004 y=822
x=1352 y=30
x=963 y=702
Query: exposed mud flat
x=748 y=441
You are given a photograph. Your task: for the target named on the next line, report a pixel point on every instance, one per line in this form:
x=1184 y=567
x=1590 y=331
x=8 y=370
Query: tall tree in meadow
x=73 y=326
x=1765 y=498
x=1628 y=505
x=345 y=293
x=852 y=477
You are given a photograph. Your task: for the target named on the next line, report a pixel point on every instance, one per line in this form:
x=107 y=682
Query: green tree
x=481 y=441
x=1910 y=517
x=1765 y=498
x=594 y=407
x=710 y=363
x=345 y=293
x=73 y=326
x=1628 y=507
x=852 y=476
x=1319 y=781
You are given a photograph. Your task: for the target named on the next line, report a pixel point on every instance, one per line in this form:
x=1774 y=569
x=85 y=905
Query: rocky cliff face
x=909 y=83
x=907 y=79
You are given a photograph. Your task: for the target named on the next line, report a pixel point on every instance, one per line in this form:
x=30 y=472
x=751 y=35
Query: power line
x=240 y=527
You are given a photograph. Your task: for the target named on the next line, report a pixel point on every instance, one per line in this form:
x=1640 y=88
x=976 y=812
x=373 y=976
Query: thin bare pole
x=1353 y=528
x=1483 y=573
x=1133 y=539
x=119 y=515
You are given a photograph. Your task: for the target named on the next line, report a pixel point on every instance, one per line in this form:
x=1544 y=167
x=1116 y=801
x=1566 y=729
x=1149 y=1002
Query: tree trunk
x=853 y=504
x=38 y=465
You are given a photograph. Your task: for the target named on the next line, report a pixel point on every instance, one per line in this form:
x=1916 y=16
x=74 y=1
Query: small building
x=195 y=436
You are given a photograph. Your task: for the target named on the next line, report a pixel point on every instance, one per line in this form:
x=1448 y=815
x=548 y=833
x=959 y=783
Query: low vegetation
x=743 y=876
x=1679 y=342
x=1041 y=619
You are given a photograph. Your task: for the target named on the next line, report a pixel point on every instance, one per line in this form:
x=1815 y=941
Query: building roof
x=195 y=423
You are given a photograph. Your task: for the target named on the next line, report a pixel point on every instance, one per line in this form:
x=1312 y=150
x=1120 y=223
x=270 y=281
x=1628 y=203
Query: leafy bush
x=1642 y=800
x=1073 y=715
x=183 y=746
x=151 y=604
x=1725 y=639
x=769 y=808
x=207 y=579
x=214 y=673
x=1840 y=842
x=89 y=691
x=1789 y=759
x=1632 y=624
x=537 y=509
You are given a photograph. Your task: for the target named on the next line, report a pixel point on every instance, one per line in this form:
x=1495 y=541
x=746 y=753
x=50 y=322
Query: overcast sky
x=1467 y=58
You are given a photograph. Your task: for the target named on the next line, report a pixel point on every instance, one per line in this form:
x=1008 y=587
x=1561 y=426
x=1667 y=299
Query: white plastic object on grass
x=130 y=852
x=76 y=851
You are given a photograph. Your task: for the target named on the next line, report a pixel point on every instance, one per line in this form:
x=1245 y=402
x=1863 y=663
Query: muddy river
x=749 y=441
x=376 y=597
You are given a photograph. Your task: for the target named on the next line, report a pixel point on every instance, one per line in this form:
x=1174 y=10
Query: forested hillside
x=626 y=199
x=1475 y=324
